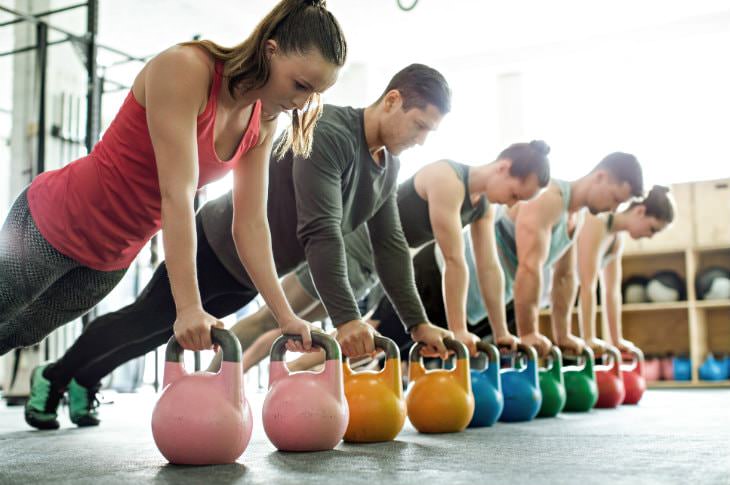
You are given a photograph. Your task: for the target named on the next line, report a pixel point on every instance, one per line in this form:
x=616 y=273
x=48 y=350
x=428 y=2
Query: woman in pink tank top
x=195 y=112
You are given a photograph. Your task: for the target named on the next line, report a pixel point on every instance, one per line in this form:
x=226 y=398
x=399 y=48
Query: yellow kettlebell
x=375 y=398
x=440 y=400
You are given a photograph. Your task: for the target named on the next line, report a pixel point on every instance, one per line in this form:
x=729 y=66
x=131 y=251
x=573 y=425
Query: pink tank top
x=102 y=209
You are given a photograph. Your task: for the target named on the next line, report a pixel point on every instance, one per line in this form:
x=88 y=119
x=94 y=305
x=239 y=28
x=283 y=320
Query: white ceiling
x=377 y=29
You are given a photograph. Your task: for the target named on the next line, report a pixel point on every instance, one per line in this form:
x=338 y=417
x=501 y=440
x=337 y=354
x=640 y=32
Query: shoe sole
x=37 y=423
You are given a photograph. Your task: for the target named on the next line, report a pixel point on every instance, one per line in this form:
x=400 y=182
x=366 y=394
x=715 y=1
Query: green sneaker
x=40 y=410
x=83 y=404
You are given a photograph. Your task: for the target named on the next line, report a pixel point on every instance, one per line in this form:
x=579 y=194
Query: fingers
x=306 y=338
x=440 y=348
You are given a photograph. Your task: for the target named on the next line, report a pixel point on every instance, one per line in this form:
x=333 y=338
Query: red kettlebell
x=203 y=418
x=666 y=365
x=611 y=390
x=305 y=411
x=633 y=375
x=652 y=369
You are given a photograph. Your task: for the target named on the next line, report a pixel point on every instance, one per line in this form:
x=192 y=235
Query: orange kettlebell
x=440 y=400
x=375 y=398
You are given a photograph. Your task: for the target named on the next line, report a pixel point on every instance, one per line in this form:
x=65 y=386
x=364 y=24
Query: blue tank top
x=504 y=228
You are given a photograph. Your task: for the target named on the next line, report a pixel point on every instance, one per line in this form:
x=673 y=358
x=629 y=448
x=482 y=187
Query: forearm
x=455 y=281
x=587 y=310
x=612 y=307
x=325 y=254
x=491 y=284
x=528 y=282
x=253 y=244
x=396 y=276
x=180 y=244
x=563 y=294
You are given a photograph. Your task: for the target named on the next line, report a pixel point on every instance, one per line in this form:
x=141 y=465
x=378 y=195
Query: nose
x=421 y=139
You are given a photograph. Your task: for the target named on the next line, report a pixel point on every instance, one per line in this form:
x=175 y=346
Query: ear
x=392 y=100
x=640 y=210
x=271 y=48
x=503 y=166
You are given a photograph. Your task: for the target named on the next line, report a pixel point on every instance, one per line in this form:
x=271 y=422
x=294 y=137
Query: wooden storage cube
x=658 y=332
x=711 y=209
x=680 y=234
x=648 y=264
x=717 y=321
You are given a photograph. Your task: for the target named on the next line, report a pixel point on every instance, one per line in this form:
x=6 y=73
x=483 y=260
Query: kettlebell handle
x=230 y=346
x=319 y=339
x=459 y=349
x=490 y=351
x=386 y=345
x=615 y=357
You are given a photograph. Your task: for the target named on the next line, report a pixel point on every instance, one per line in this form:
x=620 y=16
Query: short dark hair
x=624 y=167
x=528 y=158
x=419 y=86
x=658 y=203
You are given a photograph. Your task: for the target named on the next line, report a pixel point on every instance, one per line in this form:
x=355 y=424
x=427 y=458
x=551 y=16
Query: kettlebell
x=305 y=411
x=375 y=398
x=633 y=377
x=712 y=369
x=611 y=390
x=203 y=418
x=552 y=385
x=521 y=388
x=581 y=391
x=682 y=368
x=666 y=368
x=439 y=400
x=652 y=368
x=487 y=388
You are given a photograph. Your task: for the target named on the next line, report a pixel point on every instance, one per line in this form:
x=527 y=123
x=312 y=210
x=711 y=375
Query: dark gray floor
x=671 y=437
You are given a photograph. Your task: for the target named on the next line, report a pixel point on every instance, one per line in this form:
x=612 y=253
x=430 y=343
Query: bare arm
x=612 y=298
x=589 y=244
x=562 y=296
x=175 y=90
x=533 y=226
x=491 y=279
x=253 y=238
x=445 y=195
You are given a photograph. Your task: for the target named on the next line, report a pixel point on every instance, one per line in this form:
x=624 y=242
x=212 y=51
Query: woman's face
x=294 y=78
x=641 y=225
x=508 y=189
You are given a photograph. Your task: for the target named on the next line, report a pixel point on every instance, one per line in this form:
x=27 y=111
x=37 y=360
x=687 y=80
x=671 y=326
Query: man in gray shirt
x=349 y=180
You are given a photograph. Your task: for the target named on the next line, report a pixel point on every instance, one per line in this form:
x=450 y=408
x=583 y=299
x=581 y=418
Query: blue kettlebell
x=682 y=368
x=521 y=388
x=712 y=370
x=487 y=388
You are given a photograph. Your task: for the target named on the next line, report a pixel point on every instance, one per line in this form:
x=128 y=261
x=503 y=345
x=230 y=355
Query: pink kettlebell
x=305 y=411
x=203 y=418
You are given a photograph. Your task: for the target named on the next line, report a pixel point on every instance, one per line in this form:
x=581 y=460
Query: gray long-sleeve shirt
x=313 y=202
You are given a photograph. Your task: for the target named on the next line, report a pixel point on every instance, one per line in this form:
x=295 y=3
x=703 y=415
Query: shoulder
x=439 y=177
x=193 y=63
x=334 y=133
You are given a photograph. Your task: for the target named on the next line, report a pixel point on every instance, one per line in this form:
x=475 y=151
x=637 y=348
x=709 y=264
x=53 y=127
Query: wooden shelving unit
x=699 y=238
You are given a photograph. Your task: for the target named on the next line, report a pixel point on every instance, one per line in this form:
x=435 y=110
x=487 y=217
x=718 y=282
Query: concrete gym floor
x=673 y=436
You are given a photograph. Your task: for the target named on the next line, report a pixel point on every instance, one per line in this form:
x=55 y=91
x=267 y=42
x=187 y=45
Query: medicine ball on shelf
x=713 y=283
x=666 y=286
x=634 y=289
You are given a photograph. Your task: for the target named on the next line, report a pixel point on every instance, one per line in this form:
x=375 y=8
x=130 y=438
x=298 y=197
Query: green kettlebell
x=552 y=385
x=580 y=384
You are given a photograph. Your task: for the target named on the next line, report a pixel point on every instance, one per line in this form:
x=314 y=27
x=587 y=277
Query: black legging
x=117 y=337
x=428 y=283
